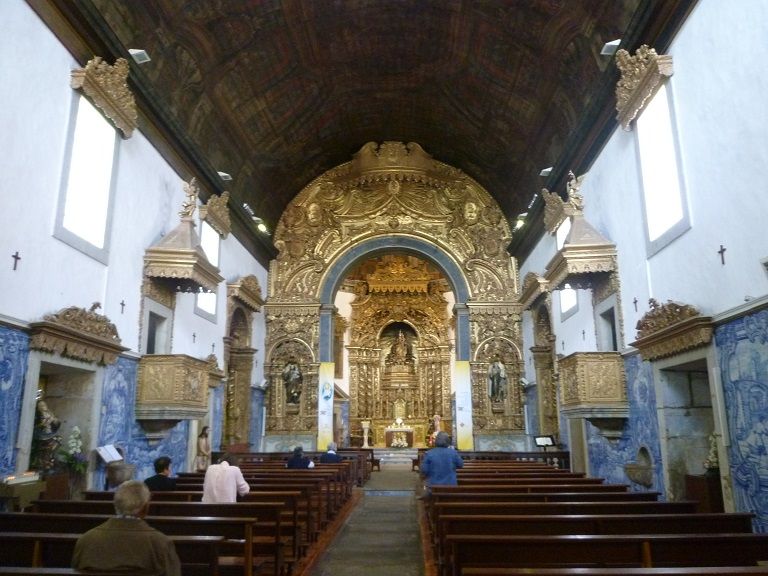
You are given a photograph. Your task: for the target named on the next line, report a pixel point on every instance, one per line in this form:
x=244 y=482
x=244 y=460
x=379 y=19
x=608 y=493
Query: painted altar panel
x=14 y=355
x=742 y=348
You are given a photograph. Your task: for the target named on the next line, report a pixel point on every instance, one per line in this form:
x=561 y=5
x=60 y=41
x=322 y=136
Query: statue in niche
x=399 y=353
x=45 y=440
x=292 y=380
x=497 y=380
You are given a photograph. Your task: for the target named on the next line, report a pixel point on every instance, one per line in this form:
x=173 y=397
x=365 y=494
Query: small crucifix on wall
x=122 y=306
x=16 y=259
x=722 y=254
x=635 y=303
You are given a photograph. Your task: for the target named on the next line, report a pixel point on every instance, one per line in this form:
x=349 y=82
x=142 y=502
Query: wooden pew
x=268 y=533
x=237 y=532
x=489 y=524
x=38 y=550
x=554 y=479
x=41 y=571
x=564 y=486
x=501 y=493
x=464 y=506
x=458 y=506
x=626 y=550
x=678 y=571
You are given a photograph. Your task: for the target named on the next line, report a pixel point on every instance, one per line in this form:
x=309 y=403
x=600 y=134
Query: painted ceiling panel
x=275 y=92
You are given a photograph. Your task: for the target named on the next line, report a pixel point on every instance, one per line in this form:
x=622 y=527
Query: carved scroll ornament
x=107 y=86
x=216 y=213
x=641 y=77
x=78 y=333
x=392 y=189
x=248 y=291
x=671 y=328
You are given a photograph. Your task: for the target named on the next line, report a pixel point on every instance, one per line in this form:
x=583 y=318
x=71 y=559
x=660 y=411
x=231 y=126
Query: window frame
x=684 y=223
x=60 y=231
x=199 y=310
x=565 y=314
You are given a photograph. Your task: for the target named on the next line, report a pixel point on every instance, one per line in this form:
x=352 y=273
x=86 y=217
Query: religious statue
x=497 y=380
x=399 y=353
x=292 y=380
x=46 y=439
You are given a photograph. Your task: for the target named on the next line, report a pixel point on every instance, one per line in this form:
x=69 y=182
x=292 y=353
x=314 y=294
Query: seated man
x=224 y=481
x=298 y=460
x=126 y=543
x=330 y=457
x=162 y=480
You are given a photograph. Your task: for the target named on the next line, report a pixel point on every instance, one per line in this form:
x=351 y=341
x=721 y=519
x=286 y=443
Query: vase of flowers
x=74 y=461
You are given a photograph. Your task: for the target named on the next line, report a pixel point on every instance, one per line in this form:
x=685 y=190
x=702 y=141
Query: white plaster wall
x=35 y=112
x=35 y=101
x=718 y=91
x=146 y=204
x=570 y=338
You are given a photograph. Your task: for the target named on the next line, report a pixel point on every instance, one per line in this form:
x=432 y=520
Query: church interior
x=532 y=225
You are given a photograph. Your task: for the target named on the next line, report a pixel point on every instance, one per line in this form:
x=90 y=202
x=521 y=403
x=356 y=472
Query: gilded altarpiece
x=399 y=352
x=388 y=190
x=497 y=403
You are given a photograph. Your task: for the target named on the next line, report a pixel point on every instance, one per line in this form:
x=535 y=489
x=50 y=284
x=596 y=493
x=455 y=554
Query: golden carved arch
x=392 y=189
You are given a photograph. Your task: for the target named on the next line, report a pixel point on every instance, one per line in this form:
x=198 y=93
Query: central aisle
x=381 y=535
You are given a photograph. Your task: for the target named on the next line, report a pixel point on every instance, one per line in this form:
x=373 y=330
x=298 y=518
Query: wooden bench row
x=242 y=541
x=616 y=551
x=51 y=553
x=678 y=571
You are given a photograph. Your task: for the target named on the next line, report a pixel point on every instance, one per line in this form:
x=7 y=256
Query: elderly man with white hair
x=126 y=543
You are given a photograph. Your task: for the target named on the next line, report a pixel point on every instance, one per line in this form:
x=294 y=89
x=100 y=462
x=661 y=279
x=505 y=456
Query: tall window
x=569 y=302
x=562 y=233
x=85 y=202
x=665 y=209
x=210 y=243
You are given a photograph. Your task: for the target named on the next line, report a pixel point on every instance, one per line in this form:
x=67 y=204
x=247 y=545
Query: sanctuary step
x=395 y=455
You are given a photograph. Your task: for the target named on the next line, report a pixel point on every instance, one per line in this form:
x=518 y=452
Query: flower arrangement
x=399 y=441
x=72 y=457
x=712 y=462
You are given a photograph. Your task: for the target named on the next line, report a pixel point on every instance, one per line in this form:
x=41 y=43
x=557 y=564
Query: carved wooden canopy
x=78 y=333
x=178 y=259
x=671 y=328
x=107 y=87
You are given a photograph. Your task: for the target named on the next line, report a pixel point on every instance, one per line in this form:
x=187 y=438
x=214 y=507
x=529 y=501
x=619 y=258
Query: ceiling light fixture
x=224 y=176
x=546 y=172
x=139 y=56
x=260 y=225
x=610 y=48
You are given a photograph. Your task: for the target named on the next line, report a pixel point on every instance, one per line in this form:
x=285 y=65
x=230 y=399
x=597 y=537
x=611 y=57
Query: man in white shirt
x=224 y=481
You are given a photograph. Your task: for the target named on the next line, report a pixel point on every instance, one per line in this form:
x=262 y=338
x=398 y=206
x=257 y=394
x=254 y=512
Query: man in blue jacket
x=438 y=466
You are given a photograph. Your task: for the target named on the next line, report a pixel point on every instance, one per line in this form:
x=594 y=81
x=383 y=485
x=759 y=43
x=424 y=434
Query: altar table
x=389 y=435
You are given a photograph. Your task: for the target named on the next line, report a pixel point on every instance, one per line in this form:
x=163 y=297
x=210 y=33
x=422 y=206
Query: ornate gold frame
x=641 y=77
x=78 y=333
x=107 y=87
x=671 y=328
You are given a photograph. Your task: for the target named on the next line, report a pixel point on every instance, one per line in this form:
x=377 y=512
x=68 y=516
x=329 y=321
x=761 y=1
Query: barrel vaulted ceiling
x=275 y=92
